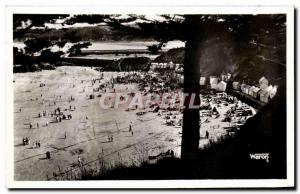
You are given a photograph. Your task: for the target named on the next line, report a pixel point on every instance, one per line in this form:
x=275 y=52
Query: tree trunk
x=191 y=128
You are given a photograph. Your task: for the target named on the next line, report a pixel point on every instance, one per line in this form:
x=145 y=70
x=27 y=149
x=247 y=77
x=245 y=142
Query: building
x=263 y=83
x=225 y=77
x=255 y=92
x=273 y=91
x=245 y=88
x=264 y=95
x=228 y=76
x=221 y=86
x=202 y=81
x=236 y=86
x=213 y=81
x=251 y=90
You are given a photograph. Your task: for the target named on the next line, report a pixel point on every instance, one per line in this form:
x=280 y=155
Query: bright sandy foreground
x=85 y=138
x=151 y=136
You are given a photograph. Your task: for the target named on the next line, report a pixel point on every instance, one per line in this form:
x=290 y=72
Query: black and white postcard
x=150 y=97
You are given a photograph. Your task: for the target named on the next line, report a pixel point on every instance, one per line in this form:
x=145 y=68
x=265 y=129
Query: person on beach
x=206 y=134
x=79 y=161
x=130 y=128
x=38 y=143
x=48 y=156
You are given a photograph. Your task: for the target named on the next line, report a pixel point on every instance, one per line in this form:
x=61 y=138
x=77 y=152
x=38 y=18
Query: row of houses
x=263 y=92
x=216 y=83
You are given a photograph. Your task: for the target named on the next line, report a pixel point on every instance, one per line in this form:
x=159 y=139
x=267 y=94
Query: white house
x=264 y=96
x=202 y=81
x=228 y=76
x=251 y=90
x=223 y=77
x=273 y=91
x=263 y=83
x=221 y=86
x=245 y=88
x=236 y=85
x=213 y=80
x=255 y=92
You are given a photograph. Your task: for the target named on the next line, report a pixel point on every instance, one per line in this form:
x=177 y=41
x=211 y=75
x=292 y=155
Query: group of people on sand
x=44 y=113
x=110 y=138
x=26 y=141
x=36 y=144
x=37 y=125
x=71 y=99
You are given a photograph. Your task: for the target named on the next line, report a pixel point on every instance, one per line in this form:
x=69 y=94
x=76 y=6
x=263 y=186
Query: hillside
x=222 y=56
x=93 y=33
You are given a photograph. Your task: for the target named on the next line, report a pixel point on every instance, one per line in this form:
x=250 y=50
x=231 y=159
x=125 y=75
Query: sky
x=59 y=23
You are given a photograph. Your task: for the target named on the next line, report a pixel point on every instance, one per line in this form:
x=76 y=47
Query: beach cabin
x=202 y=81
x=264 y=96
x=245 y=88
x=255 y=92
x=213 y=81
x=228 y=76
x=273 y=91
x=251 y=90
x=223 y=77
x=263 y=83
x=221 y=86
x=236 y=86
